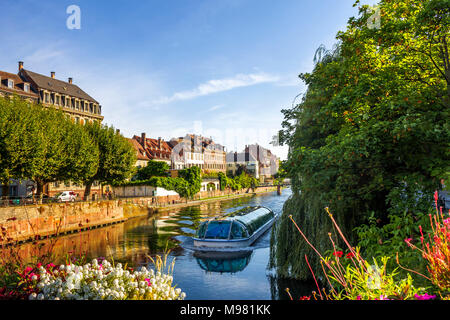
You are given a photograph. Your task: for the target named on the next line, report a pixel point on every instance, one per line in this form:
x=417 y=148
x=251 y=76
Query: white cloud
x=216 y=107
x=219 y=85
x=44 y=55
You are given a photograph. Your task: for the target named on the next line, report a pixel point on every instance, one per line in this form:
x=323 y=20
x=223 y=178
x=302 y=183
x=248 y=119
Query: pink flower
x=148 y=281
x=27 y=269
x=425 y=296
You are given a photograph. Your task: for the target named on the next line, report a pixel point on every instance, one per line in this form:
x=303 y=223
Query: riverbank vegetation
x=44 y=145
x=240 y=181
x=369 y=140
x=187 y=184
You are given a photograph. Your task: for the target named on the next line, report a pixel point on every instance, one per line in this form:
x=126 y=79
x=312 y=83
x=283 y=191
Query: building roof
x=56 y=85
x=18 y=85
x=141 y=154
x=153 y=149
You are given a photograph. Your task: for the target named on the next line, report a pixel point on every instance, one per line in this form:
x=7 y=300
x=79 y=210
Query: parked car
x=30 y=199
x=66 y=196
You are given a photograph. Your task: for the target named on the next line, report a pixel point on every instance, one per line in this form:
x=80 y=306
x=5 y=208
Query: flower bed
x=100 y=280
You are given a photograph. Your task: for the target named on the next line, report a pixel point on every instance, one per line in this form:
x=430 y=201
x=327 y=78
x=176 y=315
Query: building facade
x=268 y=163
x=214 y=156
x=12 y=84
x=187 y=152
x=237 y=160
x=64 y=95
x=196 y=150
x=255 y=160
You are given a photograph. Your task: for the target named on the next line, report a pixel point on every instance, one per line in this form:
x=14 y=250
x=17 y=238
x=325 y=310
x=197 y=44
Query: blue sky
x=219 y=68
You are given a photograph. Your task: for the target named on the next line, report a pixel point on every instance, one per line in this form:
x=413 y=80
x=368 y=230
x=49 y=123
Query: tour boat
x=237 y=229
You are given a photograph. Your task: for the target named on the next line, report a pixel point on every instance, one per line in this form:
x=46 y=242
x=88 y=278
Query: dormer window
x=26 y=87
x=10 y=84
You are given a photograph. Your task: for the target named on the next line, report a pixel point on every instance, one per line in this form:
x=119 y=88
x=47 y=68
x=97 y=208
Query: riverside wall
x=20 y=223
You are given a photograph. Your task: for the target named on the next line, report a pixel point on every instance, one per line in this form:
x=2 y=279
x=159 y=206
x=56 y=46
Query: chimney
x=20 y=65
x=143 y=140
x=70 y=80
x=159 y=143
x=52 y=74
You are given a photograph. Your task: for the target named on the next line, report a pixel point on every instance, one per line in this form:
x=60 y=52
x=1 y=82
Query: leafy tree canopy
x=371 y=128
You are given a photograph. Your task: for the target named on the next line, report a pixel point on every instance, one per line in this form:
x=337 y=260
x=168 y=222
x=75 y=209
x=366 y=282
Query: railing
x=25 y=201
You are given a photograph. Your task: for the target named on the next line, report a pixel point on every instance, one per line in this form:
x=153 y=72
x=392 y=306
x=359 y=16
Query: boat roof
x=242 y=214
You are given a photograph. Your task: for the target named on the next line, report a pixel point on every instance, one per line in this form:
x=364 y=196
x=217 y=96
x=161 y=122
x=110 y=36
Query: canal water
x=238 y=275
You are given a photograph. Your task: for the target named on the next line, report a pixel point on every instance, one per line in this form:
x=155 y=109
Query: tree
x=17 y=127
x=83 y=154
x=116 y=156
x=193 y=177
x=371 y=127
x=153 y=169
x=52 y=147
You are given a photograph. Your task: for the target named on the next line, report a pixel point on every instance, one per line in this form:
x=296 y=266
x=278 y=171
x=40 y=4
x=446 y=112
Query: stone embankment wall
x=26 y=222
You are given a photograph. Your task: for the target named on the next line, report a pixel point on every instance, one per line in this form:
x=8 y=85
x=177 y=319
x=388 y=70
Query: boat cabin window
x=218 y=230
x=201 y=230
x=238 y=231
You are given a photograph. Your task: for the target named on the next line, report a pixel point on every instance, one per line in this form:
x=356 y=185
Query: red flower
x=338 y=254
x=349 y=255
x=305 y=298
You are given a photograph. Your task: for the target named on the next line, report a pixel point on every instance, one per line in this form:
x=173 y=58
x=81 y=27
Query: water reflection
x=230 y=262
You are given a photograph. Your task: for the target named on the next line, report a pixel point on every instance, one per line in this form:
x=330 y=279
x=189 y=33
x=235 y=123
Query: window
x=46 y=97
x=218 y=230
x=57 y=100
x=26 y=87
x=10 y=84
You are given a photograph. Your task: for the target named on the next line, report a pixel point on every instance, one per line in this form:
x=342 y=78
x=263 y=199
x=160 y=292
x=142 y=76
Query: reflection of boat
x=237 y=229
x=223 y=261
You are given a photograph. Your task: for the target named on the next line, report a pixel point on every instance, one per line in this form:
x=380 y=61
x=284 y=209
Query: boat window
x=238 y=231
x=201 y=230
x=218 y=230
x=256 y=219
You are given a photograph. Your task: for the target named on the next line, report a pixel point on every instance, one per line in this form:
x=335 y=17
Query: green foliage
x=153 y=169
x=43 y=145
x=375 y=282
x=193 y=177
x=243 y=180
x=371 y=132
x=187 y=185
x=116 y=156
